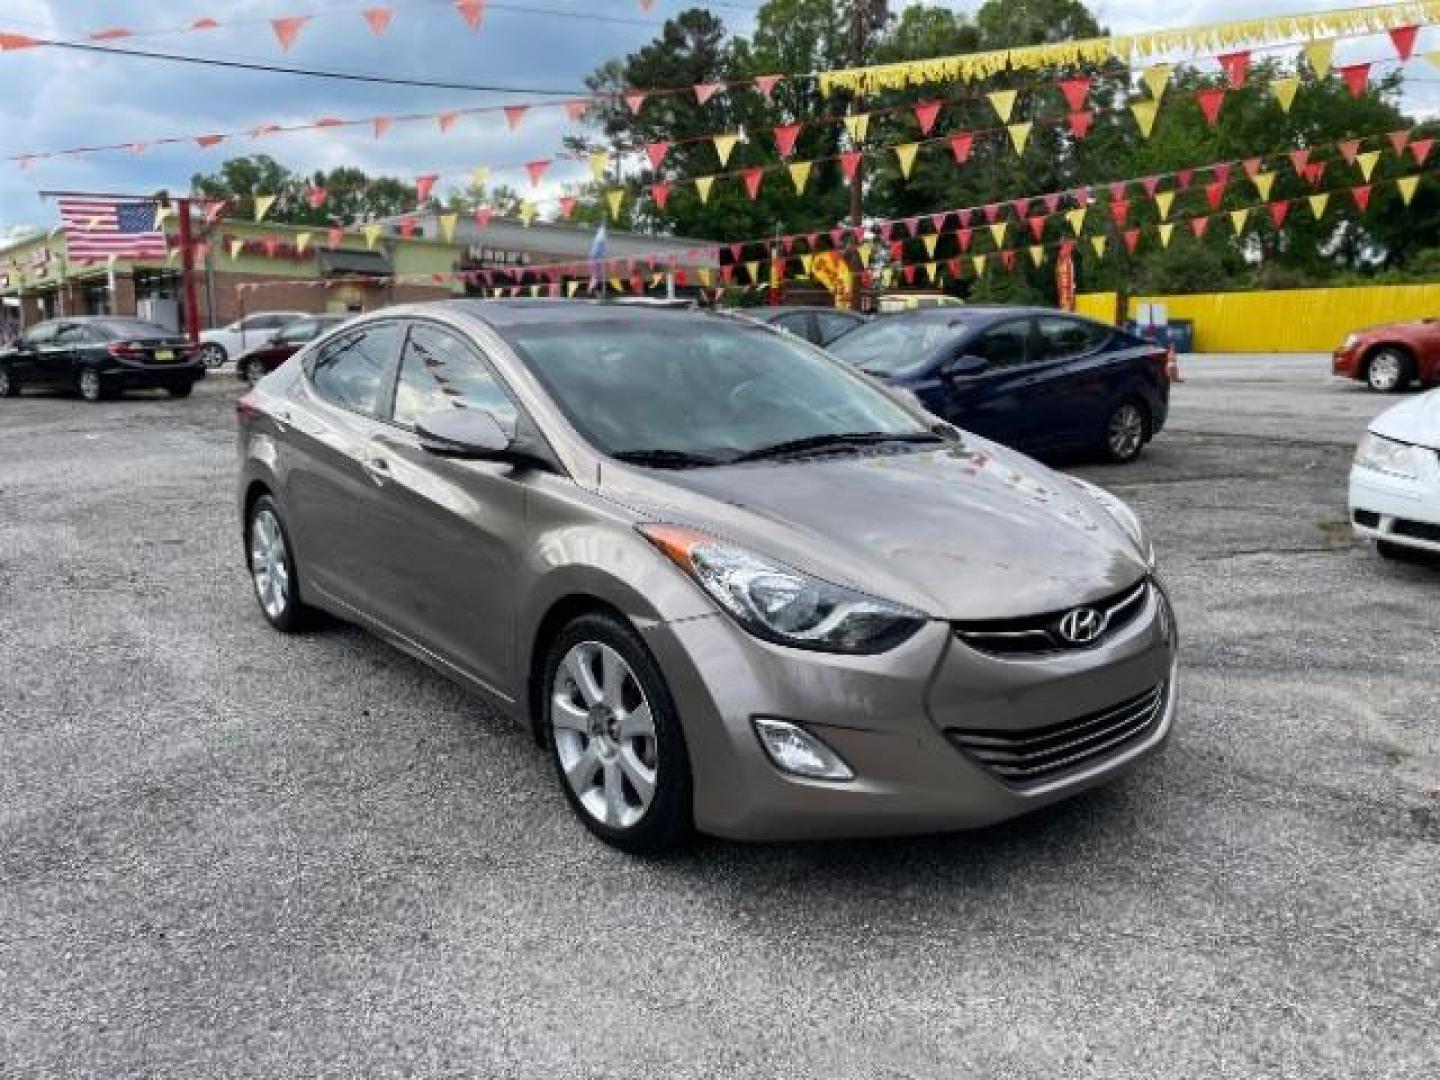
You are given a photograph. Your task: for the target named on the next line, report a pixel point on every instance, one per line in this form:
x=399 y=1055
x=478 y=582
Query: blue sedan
x=1038 y=380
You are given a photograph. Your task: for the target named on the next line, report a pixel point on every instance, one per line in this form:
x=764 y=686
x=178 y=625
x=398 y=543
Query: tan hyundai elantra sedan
x=729 y=583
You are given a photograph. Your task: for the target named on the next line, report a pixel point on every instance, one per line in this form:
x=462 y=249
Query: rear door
x=61 y=357
x=1072 y=377
x=447 y=543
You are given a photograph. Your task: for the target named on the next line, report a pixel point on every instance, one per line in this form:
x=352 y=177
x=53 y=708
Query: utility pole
x=859 y=18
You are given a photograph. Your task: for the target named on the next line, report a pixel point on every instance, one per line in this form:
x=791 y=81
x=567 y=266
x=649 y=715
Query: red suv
x=1390 y=357
x=260 y=361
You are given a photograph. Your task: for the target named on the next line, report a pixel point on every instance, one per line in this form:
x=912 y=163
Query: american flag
x=99 y=228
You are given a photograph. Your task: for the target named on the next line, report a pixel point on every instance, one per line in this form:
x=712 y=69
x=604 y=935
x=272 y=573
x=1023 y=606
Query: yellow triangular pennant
x=480 y=176
x=979 y=261
x=616 y=285
x=534 y=291
x=1284 y=91
x=1037 y=254
x=997 y=233
x=236 y=246
x=723 y=145
x=753 y=269
x=800 y=176
x=571 y=286
x=1098 y=243
x=447 y=226
x=372 y=233
x=1318 y=204
x=857 y=125
x=703 y=273
x=302 y=242
x=1432 y=58
x=930 y=272
x=864 y=251
x=1163 y=201
x=1145 y=115
x=615 y=197
x=1320 y=53
x=263 y=203
x=1264 y=182
x=1156 y=78
x=1076 y=218
x=1367 y=162
x=1407 y=186
x=528 y=210
x=599 y=162
x=703 y=184
x=905 y=153
x=1238 y=219
x=806 y=261
x=1020 y=135
x=930 y=240
x=1167 y=229
x=1003 y=102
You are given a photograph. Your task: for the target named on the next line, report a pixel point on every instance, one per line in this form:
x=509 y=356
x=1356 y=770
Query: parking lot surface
x=228 y=853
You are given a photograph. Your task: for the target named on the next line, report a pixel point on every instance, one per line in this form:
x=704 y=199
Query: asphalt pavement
x=226 y=853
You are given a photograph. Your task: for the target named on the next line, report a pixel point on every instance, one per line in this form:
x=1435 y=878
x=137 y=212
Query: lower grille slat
x=1024 y=757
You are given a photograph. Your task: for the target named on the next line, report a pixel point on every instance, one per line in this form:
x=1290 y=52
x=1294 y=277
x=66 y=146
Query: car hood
x=1415 y=420
x=969 y=532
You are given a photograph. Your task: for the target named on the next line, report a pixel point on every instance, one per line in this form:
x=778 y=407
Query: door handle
x=378 y=469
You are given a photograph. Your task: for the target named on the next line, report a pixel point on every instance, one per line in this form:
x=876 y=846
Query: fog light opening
x=794 y=750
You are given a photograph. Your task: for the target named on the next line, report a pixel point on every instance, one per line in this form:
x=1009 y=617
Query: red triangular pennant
x=287 y=30
x=483 y=216
x=381 y=124
x=424 y=185
x=926 y=113
x=379 y=19
x=1210 y=101
x=514 y=114
x=1022 y=207
x=207 y=141
x=1315 y=173
x=964 y=236
x=1080 y=122
x=1007 y=258
x=446 y=120
x=1221 y=172
x=912 y=226
x=960 y=145
x=1052 y=203
x=1151 y=184
x=1420 y=149
x=1251 y=166
x=576 y=110
x=1349 y=149
x=1403 y=38
x=1198 y=225
x=1076 y=90
x=635 y=100
x=849 y=163
x=536 y=169
x=335 y=237
x=785 y=136
x=567 y=206
x=660 y=193
x=937 y=222
x=1120 y=212
x=656 y=152
x=472 y=11
x=1399 y=140
x=1357 y=78
x=1361 y=195
x=1279 y=211
x=1132 y=240
x=766 y=83
x=705 y=91
x=1184 y=178
x=316 y=197
x=752 y=181
x=1236 y=66
x=1298 y=160
x=1117 y=190
x=407 y=227
x=1214 y=193
x=991 y=212
x=1037 y=227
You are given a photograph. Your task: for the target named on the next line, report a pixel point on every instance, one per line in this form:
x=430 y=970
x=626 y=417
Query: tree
x=351 y=195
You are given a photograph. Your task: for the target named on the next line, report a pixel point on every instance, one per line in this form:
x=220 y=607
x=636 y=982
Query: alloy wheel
x=269 y=563
x=91 y=388
x=604 y=734
x=254 y=371
x=7 y=386
x=1125 y=433
x=212 y=356
x=1385 y=371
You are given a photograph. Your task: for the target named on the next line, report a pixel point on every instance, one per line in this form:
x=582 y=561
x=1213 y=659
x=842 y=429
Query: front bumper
x=1398 y=509
x=887 y=716
x=1346 y=363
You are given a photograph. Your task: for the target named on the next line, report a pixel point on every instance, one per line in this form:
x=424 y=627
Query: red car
x=259 y=362
x=1390 y=357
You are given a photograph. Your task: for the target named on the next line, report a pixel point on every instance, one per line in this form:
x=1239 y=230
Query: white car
x=229 y=342
x=1395 y=481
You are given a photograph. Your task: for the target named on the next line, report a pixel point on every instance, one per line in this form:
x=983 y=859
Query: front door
x=993 y=402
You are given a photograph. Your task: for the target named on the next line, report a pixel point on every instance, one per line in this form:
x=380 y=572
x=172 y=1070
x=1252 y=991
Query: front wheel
x=252 y=371
x=92 y=385
x=1389 y=371
x=212 y=355
x=1125 y=432
x=272 y=567
x=615 y=737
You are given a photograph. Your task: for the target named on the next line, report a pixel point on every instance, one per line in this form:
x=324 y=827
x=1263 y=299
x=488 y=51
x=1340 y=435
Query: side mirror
x=463 y=433
x=959 y=367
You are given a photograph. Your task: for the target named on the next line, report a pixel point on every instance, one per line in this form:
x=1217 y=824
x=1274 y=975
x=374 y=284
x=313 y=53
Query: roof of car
x=785 y=309
x=503 y=313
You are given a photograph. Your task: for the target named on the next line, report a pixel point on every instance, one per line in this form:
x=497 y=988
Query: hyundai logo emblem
x=1081 y=626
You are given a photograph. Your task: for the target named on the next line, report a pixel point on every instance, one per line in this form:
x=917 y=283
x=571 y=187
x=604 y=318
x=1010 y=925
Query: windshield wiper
x=840 y=438
x=666 y=459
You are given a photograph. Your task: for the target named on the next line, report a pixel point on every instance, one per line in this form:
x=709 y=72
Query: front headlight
x=781 y=604
x=1386 y=456
x=1123 y=515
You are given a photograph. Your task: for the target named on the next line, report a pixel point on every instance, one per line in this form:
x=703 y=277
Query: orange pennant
x=472 y=11
x=379 y=19
x=287 y=30
x=514 y=114
x=381 y=124
x=447 y=120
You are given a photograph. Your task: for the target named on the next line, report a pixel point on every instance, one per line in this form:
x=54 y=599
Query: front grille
x=1037 y=635
x=1418 y=530
x=1024 y=758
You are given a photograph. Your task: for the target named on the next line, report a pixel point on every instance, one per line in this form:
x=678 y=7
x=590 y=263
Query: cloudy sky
x=56 y=99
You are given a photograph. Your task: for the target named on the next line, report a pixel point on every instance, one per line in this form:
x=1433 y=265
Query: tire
x=1127 y=429
x=92 y=385
x=181 y=390
x=1389 y=370
x=252 y=371
x=9 y=385
x=268 y=552
x=604 y=750
x=212 y=355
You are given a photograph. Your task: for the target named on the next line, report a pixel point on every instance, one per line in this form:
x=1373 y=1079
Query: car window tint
x=1061 y=338
x=1003 y=346
x=296 y=332
x=897 y=344
x=74 y=334
x=44 y=334
x=833 y=324
x=439 y=370
x=351 y=371
x=797 y=322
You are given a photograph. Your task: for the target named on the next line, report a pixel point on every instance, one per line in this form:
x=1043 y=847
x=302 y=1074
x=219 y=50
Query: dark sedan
x=1035 y=379
x=817 y=325
x=99 y=357
x=260 y=361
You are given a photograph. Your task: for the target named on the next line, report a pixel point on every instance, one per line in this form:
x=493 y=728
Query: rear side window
x=1062 y=338
x=439 y=370
x=798 y=323
x=75 y=334
x=1003 y=346
x=833 y=324
x=304 y=330
x=44 y=334
x=350 y=371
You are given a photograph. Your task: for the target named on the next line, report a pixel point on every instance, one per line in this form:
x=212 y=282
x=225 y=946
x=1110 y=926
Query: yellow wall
x=1103 y=306
x=1293 y=320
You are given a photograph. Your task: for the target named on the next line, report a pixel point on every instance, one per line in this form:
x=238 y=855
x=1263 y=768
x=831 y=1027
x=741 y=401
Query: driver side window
x=439 y=371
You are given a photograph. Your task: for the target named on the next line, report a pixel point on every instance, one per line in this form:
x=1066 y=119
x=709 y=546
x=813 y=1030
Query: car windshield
x=895 y=345
x=130 y=329
x=707 y=389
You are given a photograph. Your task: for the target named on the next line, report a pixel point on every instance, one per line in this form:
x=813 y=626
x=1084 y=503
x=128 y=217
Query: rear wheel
x=272 y=567
x=212 y=355
x=1389 y=371
x=615 y=736
x=252 y=371
x=1125 y=432
x=92 y=385
x=9 y=387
